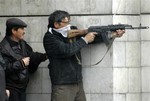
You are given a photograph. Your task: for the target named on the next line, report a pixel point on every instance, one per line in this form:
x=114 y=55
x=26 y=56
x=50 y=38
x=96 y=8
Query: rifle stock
x=75 y=32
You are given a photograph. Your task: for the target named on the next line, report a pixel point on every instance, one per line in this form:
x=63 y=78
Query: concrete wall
x=123 y=75
x=145 y=46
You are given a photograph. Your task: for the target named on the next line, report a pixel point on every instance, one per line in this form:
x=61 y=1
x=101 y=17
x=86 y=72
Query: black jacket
x=17 y=75
x=65 y=59
x=2 y=79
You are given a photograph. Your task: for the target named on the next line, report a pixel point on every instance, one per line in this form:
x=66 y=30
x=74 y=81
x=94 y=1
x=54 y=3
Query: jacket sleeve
x=55 y=47
x=35 y=59
x=2 y=63
x=2 y=79
x=13 y=65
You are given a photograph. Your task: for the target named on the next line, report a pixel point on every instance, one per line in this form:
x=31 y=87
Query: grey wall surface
x=123 y=75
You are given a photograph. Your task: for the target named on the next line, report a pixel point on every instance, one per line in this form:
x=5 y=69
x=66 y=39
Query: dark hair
x=9 y=30
x=57 y=16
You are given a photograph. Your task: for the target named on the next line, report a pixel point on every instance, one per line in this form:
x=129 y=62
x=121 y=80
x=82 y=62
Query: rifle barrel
x=142 y=27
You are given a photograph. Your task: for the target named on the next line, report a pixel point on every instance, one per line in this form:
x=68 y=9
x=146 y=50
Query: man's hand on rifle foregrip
x=118 y=33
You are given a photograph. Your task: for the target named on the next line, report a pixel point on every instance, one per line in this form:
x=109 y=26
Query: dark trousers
x=74 y=92
x=17 y=96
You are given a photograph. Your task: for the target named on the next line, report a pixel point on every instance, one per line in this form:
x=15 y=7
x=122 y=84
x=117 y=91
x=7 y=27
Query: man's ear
x=56 y=25
x=13 y=30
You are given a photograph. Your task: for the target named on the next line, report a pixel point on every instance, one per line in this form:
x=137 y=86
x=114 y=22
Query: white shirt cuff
x=85 y=40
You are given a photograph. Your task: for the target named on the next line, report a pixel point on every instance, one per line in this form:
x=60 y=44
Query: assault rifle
x=103 y=31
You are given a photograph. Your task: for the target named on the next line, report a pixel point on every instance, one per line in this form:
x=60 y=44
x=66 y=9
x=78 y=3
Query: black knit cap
x=15 y=22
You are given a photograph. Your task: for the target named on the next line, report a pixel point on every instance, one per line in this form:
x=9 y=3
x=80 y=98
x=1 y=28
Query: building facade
x=123 y=75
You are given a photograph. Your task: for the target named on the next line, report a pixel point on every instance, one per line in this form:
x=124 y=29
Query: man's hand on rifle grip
x=90 y=37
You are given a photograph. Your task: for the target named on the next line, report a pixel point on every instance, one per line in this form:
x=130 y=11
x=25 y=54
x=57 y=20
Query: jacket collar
x=6 y=48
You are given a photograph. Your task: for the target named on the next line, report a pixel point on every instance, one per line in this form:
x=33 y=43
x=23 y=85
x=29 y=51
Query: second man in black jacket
x=19 y=58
